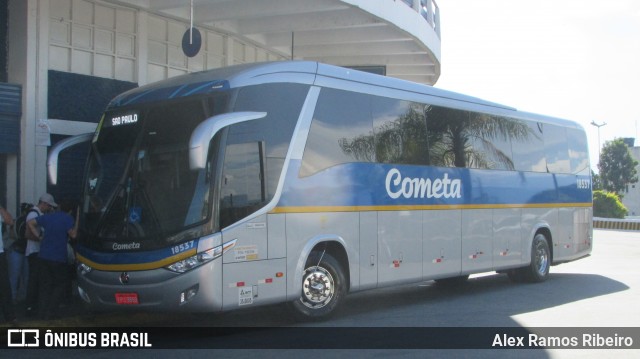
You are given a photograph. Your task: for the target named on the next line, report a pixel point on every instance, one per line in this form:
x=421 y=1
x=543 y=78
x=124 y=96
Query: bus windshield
x=139 y=184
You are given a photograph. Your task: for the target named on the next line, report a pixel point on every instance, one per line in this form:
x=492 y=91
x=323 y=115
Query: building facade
x=631 y=198
x=61 y=61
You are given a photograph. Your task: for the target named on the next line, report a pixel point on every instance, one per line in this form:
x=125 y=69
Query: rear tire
x=538 y=270
x=323 y=287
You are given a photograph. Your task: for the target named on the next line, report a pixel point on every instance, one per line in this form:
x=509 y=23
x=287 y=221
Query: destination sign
x=123 y=119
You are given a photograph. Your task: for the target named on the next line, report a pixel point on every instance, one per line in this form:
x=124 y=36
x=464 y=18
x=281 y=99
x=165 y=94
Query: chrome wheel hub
x=542 y=259
x=318 y=288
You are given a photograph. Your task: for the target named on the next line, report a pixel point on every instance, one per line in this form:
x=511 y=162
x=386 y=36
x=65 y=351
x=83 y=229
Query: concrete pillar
x=142 y=47
x=27 y=64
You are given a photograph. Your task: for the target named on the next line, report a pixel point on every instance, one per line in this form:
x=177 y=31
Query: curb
x=611 y=223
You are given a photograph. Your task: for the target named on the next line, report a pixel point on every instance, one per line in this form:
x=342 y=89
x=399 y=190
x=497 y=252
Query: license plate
x=127 y=298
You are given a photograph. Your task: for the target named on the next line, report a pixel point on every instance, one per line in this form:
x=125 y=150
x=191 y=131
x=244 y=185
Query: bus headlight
x=201 y=258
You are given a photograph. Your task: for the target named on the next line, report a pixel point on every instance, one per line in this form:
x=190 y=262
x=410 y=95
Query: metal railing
x=429 y=10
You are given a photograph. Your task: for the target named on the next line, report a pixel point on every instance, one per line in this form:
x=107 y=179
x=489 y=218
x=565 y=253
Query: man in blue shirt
x=58 y=228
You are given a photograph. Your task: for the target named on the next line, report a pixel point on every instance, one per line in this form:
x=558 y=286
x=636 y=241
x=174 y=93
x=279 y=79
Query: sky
x=573 y=59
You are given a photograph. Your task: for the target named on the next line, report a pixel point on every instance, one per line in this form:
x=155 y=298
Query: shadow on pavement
x=497 y=299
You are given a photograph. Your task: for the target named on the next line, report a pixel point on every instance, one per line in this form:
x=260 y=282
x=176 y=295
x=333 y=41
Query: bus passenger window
x=400 y=132
x=578 y=152
x=489 y=141
x=528 y=152
x=556 y=149
x=341 y=132
x=242 y=190
x=449 y=140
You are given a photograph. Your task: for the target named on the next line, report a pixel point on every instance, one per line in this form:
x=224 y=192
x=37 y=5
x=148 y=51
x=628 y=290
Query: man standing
x=45 y=204
x=58 y=227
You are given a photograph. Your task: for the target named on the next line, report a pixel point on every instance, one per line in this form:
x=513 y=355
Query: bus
x=302 y=182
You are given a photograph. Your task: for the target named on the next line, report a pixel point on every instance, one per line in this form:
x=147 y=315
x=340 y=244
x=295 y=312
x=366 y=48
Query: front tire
x=323 y=287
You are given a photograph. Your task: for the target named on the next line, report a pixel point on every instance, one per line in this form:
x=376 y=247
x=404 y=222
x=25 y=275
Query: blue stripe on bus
x=365 y=185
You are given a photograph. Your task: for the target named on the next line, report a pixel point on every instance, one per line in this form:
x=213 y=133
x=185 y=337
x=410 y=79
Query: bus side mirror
x=202 y=135
x=54 y=153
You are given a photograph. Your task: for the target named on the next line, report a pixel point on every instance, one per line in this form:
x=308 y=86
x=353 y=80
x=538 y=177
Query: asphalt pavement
x=602 y=290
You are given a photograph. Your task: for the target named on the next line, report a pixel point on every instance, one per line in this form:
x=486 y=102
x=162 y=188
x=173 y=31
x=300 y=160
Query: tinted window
x=489 y=141
x=460 y=138
x=350 y=127
x=556 y=149
x=528 y=151
x=163 y=166
x=255 y=150
x=341 y=131
x=578 y=151
x=400 y=132
x=139 y=183
x=448 y=136
x=243 y=188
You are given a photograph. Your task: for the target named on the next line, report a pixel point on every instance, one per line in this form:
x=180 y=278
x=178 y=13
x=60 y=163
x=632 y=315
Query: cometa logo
x=407 y=187
x=125 y=246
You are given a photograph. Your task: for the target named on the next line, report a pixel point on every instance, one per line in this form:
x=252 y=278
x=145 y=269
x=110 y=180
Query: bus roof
x=281 y=71
x=306 y=72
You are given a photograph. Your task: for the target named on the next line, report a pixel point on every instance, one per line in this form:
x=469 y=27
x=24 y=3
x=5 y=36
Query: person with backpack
x=6 y=304
x=18 y=266
x=46 y=204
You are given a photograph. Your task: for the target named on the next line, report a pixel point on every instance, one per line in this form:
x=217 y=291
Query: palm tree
x=455 y=138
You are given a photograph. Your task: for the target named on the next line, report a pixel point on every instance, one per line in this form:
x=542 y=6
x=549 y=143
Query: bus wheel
x=323 y=287
x=538 y=270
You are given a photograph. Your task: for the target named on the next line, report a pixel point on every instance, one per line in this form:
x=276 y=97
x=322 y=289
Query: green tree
x=596 y=184
x=617 y=167
x=608 y=205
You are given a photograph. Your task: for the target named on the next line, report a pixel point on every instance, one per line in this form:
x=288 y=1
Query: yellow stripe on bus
x=137 y=266
x=315 y=209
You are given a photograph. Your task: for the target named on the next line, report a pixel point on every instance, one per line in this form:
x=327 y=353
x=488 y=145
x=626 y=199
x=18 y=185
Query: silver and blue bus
x=302 y=182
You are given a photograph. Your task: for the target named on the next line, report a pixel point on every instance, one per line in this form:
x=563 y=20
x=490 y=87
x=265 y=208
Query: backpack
x=20 y=225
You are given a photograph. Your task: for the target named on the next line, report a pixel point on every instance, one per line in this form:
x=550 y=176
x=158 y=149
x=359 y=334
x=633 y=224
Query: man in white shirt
x=45 y=204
